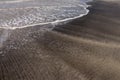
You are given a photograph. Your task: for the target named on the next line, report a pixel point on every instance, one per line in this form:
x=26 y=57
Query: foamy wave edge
x=53 y=23
x=13 y=1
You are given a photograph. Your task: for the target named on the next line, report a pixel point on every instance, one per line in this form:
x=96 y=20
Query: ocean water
x=25 y=13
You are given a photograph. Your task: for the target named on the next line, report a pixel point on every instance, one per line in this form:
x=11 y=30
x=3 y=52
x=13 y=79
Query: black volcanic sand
x=84 y=49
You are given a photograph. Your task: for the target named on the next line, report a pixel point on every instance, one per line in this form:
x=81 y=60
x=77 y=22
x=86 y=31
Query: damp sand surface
x=84 y=49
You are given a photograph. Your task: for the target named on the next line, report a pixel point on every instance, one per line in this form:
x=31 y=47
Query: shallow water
x=19 y=14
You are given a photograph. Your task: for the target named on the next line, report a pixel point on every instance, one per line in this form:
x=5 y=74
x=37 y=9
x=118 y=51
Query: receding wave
x=40 y=12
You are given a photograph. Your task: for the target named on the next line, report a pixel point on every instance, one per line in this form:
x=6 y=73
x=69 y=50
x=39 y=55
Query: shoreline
x=53 y=22
x=91 y=22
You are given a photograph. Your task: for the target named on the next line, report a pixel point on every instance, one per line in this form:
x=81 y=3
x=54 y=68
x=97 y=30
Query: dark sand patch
x=102 y=23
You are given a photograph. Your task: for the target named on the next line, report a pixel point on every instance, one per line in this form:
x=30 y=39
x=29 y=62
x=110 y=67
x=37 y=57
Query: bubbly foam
x=40 y=12
x=12 y=1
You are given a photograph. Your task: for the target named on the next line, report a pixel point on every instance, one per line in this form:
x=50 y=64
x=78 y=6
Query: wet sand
x=84 y=49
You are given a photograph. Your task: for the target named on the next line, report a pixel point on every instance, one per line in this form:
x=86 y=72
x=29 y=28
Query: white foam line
x=34 y=7
x=19 y=8
x=14 y=1
x=54 y=22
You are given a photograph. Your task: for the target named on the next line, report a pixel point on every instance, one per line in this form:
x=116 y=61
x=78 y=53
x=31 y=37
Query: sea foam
x=21 y=14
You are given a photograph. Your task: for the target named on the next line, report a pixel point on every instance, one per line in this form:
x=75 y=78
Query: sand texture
x=84 y=49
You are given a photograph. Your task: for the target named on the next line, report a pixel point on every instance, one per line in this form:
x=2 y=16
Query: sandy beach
x=87 y=48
